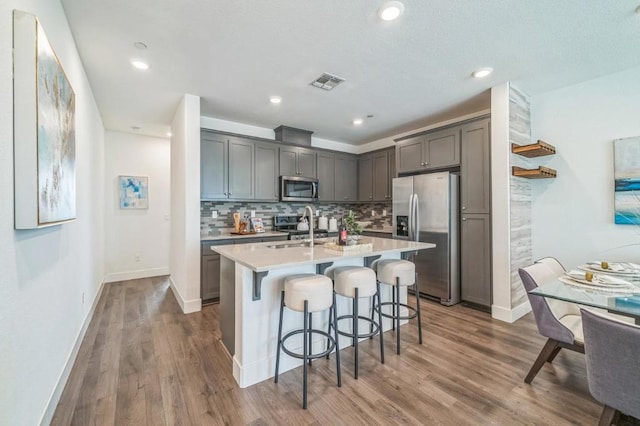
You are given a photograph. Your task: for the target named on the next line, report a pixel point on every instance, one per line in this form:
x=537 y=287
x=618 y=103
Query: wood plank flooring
x=143 y=362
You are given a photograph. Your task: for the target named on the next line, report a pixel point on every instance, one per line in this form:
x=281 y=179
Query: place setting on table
x=606 y=277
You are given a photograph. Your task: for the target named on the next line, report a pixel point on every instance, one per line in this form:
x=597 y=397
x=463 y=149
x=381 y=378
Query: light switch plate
x=253 y=213
x=384 y=212
x=214 y=214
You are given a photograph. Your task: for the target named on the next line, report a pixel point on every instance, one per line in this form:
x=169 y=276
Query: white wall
x=573 y=214
x=44 y=273
x=141 y=234
x=185 y=204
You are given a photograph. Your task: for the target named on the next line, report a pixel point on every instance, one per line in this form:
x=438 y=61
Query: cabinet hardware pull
x=464 y=218
x=464 y=207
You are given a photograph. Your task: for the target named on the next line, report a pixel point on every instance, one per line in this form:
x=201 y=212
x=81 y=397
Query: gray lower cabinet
x=346 y=177
x=475 y=173
x=434 y=150
x=475 y=256
x=326 y=176
x=266 y=172
x=296 y=161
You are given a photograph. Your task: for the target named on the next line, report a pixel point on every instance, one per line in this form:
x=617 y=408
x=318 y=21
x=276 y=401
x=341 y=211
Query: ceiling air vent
x=327 y=81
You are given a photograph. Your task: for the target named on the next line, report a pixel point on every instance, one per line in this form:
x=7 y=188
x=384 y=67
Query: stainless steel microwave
x=298 y=188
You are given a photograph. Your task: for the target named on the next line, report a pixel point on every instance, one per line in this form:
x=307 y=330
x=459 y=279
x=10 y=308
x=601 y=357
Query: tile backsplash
x=266 y=211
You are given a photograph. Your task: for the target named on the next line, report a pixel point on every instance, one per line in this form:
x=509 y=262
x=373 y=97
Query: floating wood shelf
x=539 y=173
x=533 y=150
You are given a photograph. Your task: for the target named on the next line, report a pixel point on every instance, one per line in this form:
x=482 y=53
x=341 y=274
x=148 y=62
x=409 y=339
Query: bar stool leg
x=418 y=309
x=310 y=337
x=393 y=308
x=373 y=303
x=397 y=305
x=329 y=326
x=305 y=354
x=335 y=331
x=380 y=323
x=355 y=331
x=279 y=336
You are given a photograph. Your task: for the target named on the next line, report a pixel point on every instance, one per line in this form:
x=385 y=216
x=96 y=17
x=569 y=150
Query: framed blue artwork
x=627 y=180
x=134 y=192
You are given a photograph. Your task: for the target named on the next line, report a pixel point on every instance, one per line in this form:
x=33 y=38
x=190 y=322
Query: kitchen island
x=252 y=277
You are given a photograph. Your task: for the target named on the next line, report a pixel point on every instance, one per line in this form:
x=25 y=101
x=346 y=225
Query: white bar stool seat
x=399 y=273
x=355 y=282
x=308 y=293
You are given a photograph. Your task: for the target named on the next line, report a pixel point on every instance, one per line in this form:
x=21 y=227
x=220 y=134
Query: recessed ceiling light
x=357 y=121
x=169 y=134
x=275 y=99
x=390 y=10
x=482 y=72
x=140 y=65
x=140 y=45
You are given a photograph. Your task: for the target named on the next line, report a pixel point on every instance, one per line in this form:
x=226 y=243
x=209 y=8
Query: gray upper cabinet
x=429 y=151
x=392 y=171
x=296 y=161
x=375 y=171
x=381 y=182
x=409 y=153
x=241 y=169
x=266 y=175
x=346 y=177
x=475 y=256
x=475 y=174
x=365 y=178
x=213 y=166
x=326 y=176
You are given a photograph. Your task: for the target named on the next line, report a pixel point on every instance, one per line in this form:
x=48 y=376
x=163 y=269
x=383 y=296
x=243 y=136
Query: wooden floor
x=143 y=362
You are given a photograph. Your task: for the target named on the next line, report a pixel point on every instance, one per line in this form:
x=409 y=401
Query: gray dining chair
x=611 y=350
x=559 y=321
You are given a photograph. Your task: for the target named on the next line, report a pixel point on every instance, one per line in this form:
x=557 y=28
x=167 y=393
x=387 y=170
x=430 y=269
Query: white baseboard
x=71 y=359
x=187 y=306
x=134 y=275
x=510 y=315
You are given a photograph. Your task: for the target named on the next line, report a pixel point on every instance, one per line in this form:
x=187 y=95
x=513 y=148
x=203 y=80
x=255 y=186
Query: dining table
x=615 y=288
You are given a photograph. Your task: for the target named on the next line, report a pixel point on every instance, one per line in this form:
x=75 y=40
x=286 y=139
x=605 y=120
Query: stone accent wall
x=267 y=211
x=520 y=194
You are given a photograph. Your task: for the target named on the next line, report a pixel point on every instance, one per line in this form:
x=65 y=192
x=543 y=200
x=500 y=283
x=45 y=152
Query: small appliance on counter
x=289 y=223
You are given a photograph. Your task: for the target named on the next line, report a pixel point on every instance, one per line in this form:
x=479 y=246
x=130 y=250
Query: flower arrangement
x=352 y=225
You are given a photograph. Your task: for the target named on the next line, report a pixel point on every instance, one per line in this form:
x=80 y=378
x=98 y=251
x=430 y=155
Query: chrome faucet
x=310 y=223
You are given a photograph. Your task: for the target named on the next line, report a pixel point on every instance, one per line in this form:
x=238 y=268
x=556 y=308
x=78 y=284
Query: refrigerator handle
x=410 y=218
x=416 y=215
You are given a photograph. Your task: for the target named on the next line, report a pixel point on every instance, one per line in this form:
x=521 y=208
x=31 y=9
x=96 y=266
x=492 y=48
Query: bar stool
x=398 y=273
x=307 y=293
x=355 y=282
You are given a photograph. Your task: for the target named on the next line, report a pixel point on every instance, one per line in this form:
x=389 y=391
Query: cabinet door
x=409 y=153
x=346 y=181
x=210 y=280
x=288 y=162
x=475 y=254
x=213 y=166
x=381 y=176
x=326 y=176
x=241 y=169
x=475 y=174
x=266 y=179
x=307 y=162
x=392 y=171
x=365 y=178
x=442 y=149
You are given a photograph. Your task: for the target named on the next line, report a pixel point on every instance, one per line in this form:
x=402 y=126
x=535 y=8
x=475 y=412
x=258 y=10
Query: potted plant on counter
x=353 y=228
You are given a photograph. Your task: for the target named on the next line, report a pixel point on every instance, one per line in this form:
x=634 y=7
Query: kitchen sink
x=295 y=245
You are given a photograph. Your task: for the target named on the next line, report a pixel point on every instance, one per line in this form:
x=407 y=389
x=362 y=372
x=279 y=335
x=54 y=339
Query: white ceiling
x=407 y=73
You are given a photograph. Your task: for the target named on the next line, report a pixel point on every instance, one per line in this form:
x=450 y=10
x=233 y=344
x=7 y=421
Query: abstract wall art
x=134 y=192
x=44 y=130
x=627 y=181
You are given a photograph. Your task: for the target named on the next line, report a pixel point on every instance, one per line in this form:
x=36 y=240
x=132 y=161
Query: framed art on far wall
x=133 y=192
x=44 y=130
x=627 y=180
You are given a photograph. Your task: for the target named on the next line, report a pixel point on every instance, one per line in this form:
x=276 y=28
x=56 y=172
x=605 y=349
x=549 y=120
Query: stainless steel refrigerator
x=425 y=208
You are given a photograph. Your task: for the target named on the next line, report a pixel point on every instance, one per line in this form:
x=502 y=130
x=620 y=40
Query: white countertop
x=259 y=257
x=226 y=235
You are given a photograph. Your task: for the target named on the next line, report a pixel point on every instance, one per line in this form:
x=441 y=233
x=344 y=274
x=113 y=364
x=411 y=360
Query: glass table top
x=627 y=304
